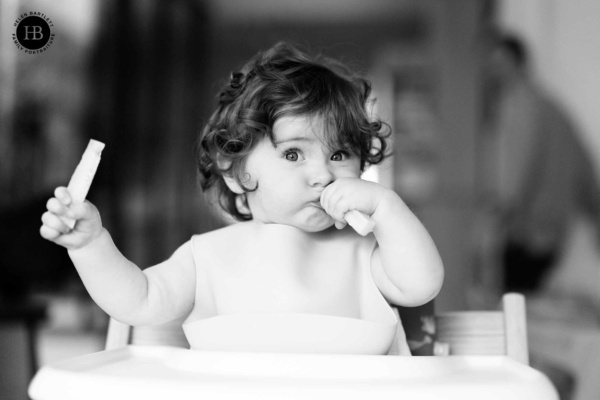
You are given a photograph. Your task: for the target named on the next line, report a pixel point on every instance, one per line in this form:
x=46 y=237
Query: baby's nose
x=321 y=175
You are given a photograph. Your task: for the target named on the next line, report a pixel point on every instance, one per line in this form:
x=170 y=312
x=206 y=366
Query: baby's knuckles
x=355 y=194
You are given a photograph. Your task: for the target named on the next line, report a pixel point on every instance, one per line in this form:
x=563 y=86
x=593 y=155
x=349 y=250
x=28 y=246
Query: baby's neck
x=292 y=229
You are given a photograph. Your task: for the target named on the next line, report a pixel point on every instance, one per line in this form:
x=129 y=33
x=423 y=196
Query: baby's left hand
x=347 y=194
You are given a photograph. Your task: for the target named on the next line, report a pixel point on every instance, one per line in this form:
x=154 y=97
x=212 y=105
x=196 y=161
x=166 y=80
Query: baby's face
x=292 y=174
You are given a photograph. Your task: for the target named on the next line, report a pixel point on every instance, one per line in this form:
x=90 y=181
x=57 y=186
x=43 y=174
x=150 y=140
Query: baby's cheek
x=350 y=172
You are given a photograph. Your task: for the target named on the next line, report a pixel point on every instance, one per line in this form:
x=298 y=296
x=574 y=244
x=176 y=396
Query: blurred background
x=143 y=75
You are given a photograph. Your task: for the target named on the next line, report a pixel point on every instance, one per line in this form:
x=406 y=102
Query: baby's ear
x=232 y=183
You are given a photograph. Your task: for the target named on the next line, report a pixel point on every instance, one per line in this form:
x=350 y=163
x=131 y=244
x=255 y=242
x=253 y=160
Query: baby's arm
x=118 y=286
x=406 y=265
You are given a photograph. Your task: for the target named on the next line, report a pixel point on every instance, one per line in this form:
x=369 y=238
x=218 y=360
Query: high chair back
x=169 y=334
x=502 y=332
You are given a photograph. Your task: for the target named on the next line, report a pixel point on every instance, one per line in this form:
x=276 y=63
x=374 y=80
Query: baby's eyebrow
x=277 y=142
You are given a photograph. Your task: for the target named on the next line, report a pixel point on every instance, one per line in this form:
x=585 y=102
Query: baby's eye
x=291 y=155
x=339 y=156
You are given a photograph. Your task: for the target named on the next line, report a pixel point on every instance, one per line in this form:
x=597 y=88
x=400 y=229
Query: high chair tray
x=153 y=373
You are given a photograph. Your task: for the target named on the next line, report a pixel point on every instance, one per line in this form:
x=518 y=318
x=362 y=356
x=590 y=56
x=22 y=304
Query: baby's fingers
x=58 y=207
x=48 y=233
x=53 y=225
x=340 y=224
x=332 y=202
x=62 y=193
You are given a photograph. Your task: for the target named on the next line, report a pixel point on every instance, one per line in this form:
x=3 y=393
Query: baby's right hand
x=88 y=224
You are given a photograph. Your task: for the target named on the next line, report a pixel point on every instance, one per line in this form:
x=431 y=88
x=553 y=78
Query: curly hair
x=279 y=82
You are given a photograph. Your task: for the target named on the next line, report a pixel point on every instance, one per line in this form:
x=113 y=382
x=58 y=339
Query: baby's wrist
x=389 y=204
x=94 y=241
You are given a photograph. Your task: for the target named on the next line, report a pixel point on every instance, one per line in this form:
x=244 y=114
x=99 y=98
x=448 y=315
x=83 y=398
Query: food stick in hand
x=361 y=223
x=81 y=180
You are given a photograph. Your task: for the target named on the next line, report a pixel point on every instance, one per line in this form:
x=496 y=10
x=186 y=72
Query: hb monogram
x=35 y=31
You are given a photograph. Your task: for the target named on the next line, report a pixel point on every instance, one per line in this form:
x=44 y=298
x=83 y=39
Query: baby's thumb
x=85 y=210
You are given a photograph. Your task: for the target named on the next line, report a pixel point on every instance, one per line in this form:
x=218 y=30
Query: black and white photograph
x=299 y=199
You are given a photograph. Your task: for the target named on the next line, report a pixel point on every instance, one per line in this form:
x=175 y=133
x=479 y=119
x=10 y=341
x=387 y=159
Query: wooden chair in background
x=502 y=332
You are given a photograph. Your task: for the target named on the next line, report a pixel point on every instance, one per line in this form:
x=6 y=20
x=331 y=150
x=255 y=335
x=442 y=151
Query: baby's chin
x=315 y=230
x=317 y=226
x=309 y=227
x=314 y=223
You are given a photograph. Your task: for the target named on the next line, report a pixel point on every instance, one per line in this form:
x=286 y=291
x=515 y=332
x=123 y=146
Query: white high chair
x=502 y=332
x=156 y=372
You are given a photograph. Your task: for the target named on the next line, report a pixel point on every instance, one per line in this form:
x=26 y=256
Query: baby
x=283 y=154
